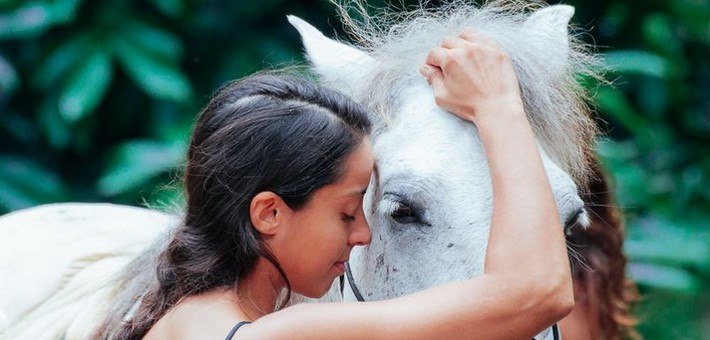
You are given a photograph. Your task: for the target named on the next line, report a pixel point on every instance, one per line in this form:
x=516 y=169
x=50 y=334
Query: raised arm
x=526 y=285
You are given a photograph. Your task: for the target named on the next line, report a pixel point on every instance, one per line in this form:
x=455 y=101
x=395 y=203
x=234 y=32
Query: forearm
x=524 y=223
x=526 y=238
x=480 y=308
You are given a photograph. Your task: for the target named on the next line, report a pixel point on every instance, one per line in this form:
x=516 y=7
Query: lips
x=340 y=265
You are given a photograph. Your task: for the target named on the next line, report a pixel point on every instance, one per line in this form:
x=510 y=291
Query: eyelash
x=348 y=218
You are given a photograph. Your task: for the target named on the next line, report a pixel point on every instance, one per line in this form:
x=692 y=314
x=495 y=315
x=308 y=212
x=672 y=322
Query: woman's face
x=320 y=235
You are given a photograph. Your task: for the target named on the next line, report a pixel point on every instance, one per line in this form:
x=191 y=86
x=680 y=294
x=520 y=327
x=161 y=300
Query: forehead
x=355 y=175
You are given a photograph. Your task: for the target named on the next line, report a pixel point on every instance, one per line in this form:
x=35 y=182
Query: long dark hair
x=601 y=284
x=272 y=133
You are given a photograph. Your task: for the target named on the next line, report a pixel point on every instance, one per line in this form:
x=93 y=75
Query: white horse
x=429 y=200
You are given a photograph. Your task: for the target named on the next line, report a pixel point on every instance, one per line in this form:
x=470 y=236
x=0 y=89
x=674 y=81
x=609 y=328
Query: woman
x=276 y=171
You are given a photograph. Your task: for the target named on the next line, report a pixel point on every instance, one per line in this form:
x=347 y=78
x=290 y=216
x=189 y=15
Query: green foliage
x=25 y=183
x=97 y=99
x=658 y=118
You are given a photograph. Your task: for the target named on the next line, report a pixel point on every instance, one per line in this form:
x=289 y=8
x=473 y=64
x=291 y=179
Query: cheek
x=331 y=237
x=321 y=238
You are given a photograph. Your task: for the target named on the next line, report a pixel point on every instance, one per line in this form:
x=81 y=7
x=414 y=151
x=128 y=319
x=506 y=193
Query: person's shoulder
x=205 y=316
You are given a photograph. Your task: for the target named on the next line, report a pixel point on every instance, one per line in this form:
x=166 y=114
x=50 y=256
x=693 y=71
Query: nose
x=360 y=234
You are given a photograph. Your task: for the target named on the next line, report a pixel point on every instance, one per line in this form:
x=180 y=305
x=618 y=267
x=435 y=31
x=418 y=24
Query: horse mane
x=554 y=99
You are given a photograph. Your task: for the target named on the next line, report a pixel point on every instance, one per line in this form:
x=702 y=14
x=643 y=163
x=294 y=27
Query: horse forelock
x=554 y=100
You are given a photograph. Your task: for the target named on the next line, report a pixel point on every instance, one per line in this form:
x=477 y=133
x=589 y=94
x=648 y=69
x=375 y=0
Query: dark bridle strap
x=351 y=283
x=555 y=332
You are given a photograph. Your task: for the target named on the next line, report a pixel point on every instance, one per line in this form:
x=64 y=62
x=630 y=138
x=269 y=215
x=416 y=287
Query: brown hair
x=601 y=285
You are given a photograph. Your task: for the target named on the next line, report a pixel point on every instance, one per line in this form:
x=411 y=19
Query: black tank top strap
x=235 y=328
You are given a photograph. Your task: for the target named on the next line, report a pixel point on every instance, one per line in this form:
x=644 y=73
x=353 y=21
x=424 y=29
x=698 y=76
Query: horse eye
x=405 y=215
x=574 y=219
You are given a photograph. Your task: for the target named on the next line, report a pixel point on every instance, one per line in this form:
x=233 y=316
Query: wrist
x=502 y=112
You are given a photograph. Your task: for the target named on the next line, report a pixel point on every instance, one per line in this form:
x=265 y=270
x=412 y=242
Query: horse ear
x=551 y=23
x=338 y=64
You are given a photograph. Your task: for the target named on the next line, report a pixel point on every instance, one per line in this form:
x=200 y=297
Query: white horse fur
x=427 y=161
x=432 y=163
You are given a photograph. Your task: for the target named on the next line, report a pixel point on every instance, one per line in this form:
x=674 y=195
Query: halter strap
x=230 y=335
x=351 y=283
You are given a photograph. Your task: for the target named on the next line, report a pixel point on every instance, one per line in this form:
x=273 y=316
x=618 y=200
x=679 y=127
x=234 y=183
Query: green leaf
x=154 y=40
x=614 y=104
x=171 y=8
x=27 y=21
x=86 y=87
x=159 y=78
x=65 y=10
x=9 y=80
x=639 y=62
x=665 y=277
x=662 y=251
x=675 y=242
x=35 y=18
x=135 y=163
x=60 y=61
x=23 y=184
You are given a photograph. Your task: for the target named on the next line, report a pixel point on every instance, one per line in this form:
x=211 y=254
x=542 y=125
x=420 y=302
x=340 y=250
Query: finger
x=438 y=87
x=469 y=35
x=478 y=38
x=452 y=42
x=430 y=72
x=441 y=95
x=425 y=71
x=437 y=57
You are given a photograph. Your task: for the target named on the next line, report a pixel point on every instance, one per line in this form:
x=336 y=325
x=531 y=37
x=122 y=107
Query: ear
x=549 y=26
x=266 y=212
x=340 y=65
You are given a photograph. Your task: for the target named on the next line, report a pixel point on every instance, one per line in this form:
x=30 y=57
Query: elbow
x=549 y=295
x=561 y=305
x=559 y=300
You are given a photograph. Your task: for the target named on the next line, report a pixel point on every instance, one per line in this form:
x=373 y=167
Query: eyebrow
x=356 y=193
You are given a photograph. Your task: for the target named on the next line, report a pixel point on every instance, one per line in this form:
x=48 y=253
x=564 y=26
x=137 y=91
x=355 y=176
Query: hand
x=472 y=77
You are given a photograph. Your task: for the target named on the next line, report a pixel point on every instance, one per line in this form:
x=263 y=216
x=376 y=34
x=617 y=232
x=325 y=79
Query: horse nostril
x=579 y=217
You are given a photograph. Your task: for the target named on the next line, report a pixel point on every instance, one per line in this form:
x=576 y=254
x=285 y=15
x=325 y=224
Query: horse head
x=429 y=201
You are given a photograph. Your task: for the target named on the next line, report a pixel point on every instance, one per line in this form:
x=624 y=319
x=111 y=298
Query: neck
x=259 y=292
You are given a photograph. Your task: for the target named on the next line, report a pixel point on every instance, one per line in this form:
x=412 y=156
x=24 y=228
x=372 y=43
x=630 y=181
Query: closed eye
x=575 y=219
x=348 y=218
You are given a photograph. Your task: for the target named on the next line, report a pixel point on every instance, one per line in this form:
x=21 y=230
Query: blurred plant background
x=97 y=99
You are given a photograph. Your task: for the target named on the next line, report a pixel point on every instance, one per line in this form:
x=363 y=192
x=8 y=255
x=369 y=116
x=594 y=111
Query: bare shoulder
x=207 y=316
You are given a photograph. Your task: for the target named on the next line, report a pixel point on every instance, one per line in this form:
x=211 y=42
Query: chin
x=316 y=291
